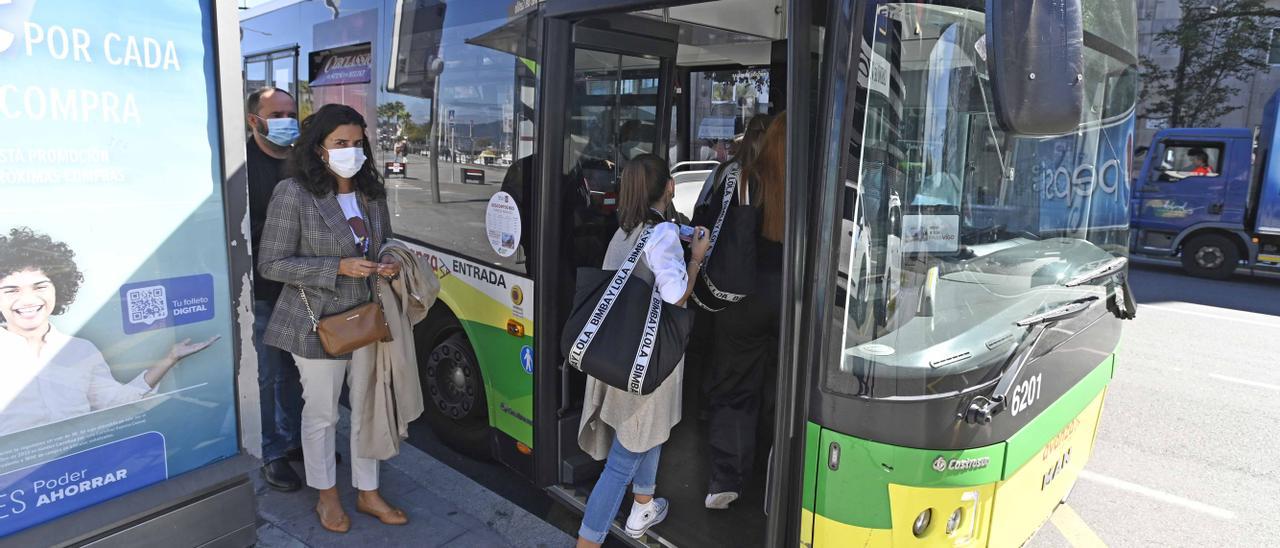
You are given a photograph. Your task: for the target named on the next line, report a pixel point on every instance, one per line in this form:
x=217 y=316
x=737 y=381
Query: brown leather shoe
x=340 y=525
x=390 y=516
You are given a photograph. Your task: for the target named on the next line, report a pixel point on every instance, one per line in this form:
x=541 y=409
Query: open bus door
x=607 y=93
x=608 y=80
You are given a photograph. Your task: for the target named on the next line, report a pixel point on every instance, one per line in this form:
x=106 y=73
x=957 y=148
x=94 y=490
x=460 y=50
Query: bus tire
x=1212 y=256
x=454 y=394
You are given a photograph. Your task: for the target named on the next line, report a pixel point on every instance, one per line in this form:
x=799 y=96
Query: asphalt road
x=1187 y=453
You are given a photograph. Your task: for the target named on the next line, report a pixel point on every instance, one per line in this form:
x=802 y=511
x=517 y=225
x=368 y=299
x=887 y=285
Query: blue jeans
x=621 y=468
x=279 y=390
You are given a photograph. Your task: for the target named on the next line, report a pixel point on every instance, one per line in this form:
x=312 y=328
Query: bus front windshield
x=955 y=230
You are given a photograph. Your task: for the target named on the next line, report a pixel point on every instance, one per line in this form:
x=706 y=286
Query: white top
x=664 y=256
x=350 y=205
x=351 y=208
x=67 y=378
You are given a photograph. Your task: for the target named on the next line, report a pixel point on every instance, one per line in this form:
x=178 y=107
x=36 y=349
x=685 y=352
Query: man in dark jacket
x=272 y=117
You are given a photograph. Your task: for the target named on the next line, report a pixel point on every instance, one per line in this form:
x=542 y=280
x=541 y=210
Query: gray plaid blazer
x=303 y=240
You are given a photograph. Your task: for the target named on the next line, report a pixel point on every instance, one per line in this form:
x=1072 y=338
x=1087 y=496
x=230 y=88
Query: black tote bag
x=620 y=331
x=728 y=272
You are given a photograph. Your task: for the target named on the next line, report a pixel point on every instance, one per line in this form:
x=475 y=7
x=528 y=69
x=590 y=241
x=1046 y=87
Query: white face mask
x=346 y=162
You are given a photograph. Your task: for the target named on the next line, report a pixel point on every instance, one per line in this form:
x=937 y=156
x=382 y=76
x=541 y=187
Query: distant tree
x=1221 y=45
x=304 y=100
x=394 y=114
x=417 y=133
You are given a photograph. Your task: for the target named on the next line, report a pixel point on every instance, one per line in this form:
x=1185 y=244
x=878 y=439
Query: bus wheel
x=454 y=391
x=1212 y=256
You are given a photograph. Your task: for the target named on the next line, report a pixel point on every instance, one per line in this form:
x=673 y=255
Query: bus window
x=277 y=69
x=958 y=229
x=461 y=74
x=284 y=70
x=611 y=118
x=255 y=73
x=721 y=102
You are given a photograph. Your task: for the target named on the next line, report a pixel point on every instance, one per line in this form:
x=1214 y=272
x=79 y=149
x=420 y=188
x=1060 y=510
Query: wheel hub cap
x=1209 y=257
x=450 y=385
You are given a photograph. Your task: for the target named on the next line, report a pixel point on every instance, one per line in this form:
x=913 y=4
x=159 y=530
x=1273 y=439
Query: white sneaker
x=721 y=501
x=644 y=516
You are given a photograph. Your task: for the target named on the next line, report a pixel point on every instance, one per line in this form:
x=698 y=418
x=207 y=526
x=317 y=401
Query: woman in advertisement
x=49 y=376
x=321 y=225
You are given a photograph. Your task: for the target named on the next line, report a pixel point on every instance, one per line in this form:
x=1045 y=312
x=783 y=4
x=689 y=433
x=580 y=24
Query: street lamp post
x=436 y=67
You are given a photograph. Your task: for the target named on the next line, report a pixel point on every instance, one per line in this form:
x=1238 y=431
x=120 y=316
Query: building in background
x=1155 y=16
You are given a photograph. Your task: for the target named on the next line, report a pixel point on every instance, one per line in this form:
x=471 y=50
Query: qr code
x=147 y=305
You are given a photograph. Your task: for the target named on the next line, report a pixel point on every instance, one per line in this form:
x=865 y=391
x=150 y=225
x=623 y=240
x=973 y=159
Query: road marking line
x=1162 y=496
x=1073 y=527
x=1272 y=325
x=1246 y=382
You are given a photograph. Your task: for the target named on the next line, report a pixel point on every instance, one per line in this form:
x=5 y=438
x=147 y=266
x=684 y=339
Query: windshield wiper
x=982 y=408
x=1105 y=270
x=1063 y=312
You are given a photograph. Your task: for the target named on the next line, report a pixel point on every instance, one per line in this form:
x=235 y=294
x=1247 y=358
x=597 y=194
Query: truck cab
x=1211 y=197
x=1192 y=199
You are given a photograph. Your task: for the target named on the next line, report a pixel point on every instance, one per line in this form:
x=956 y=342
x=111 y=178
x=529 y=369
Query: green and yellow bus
x=957 y=219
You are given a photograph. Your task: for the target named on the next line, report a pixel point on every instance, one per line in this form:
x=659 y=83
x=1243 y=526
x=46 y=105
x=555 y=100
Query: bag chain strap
x=315 y=323
x=377 y=287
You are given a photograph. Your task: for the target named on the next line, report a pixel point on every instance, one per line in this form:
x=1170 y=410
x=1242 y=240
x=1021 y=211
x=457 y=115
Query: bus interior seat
x=690 y=178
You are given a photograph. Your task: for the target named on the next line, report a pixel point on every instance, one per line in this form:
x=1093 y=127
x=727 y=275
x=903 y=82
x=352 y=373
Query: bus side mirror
x=1035 y=54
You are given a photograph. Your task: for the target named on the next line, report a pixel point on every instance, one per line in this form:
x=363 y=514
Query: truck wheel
x=453 y=388
x=1212 y=256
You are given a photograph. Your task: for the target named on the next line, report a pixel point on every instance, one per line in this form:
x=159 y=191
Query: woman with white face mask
x=323 y=239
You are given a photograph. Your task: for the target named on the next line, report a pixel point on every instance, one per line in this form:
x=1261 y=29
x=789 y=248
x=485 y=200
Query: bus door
x=608 y=81
x=616 y=73
x=606 y=98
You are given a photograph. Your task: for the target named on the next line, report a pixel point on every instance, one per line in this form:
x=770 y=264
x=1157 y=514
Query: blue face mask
x=281 y=131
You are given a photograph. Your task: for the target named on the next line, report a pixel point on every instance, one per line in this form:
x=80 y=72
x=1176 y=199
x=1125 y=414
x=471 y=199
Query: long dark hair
x=308 y=168
x=644 y=179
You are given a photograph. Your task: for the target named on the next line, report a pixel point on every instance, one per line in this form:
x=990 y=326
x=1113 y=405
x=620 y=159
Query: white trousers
x=321 y=387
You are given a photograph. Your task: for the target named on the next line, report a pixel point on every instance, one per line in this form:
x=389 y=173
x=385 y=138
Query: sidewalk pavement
x=445 y=508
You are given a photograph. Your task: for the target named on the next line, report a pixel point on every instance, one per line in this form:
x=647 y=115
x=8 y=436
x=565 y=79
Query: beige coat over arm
x=396 y=395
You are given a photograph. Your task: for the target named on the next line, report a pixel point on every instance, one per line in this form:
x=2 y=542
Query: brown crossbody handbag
x=356 y=328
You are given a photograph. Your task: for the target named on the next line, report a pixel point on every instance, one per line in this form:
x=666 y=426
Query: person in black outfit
x=699 y=354
x=745 y=348
x=272 y=116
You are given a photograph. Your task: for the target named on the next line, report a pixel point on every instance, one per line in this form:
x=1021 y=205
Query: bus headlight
x=922 y=522
x=953 y=522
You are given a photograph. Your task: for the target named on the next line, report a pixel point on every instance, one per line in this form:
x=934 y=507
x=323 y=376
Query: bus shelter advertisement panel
x=115 y=353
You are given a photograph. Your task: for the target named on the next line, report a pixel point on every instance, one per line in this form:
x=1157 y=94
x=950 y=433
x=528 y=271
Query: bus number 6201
x=1025 y=394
